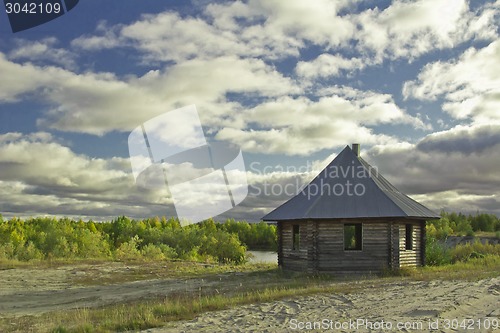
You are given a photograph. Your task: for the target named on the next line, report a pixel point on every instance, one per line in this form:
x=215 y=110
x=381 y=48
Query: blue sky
x=416 y=83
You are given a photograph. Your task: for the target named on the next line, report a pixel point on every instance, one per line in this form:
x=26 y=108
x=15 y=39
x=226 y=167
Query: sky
x=415 y=83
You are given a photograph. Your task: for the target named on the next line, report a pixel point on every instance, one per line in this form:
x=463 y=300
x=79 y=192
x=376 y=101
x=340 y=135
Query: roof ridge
x=319 y=197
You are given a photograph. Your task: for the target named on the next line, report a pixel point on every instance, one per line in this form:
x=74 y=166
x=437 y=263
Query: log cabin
x=350 y=220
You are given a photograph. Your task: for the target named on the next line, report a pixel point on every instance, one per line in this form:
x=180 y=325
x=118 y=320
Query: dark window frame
x=358 y=237
x=409 y=236
x=296 y=237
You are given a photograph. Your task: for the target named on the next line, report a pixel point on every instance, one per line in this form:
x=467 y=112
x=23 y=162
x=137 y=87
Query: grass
x=139 y=315
x=136 y=271
x=487 y=234
x=47 y=263
x=471 y=270
x=103 y=272
x=257 y=283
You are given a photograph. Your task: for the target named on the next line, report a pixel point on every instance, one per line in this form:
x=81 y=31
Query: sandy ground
x=381 y=302
x=421 y=306
x=36 y=291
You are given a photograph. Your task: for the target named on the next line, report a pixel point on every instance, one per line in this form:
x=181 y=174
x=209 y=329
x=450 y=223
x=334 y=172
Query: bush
x=464 y=228
x=129 y=250
x=167 y=251
x=439 y=229
x=256 y=236
x=158 y=252
x=29 y=252
x=7 y=252
x=474 y=250
x=194 y=255
x=228 y=248
x=152 y=252
x=437 y=253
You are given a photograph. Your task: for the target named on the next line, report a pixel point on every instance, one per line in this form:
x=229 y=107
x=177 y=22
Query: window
x=353 y=236
x=409 y=237
x=296 y=237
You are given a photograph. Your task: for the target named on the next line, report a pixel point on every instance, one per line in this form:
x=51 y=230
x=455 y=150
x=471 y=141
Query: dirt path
x=29 y=303
x=414 y=304
x=25 y=291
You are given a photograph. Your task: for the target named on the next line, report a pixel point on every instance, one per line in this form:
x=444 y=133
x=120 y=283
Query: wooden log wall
x=295 y=260
x=413 y=257
x=373 y=257
x=280 y=243
x=312 y=246
x=394 y=248
x=321 y=247
x=423 y=242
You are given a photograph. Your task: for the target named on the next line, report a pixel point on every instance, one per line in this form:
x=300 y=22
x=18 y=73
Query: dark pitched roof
x=349 y=187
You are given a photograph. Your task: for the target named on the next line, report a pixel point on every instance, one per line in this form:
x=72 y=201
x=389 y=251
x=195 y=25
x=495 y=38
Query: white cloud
x=43 y=51
x=39 y=160
x=318 y=22
x=299 y=126
x=276 y=30
x=470 y=84
x=269 y=29
x=459 y=201
x=108 y=38
x=301 y=141
x=168 y=37
x=41 y=176
x=98 y=103
x=409 y=29
x=461 y=160
x=327 y=65
x=22 y=79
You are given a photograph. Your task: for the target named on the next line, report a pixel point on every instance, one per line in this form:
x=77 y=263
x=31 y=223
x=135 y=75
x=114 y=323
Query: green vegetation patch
x=153 y=239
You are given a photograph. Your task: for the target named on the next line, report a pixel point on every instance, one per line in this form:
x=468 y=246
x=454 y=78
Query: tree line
x=462 y=225
x=161 y=238
x=127 y=239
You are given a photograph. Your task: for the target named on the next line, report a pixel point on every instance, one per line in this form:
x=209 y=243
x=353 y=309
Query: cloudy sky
x=416 y=83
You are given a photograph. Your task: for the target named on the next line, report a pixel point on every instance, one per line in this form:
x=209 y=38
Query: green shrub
x=228 y=248
x=152 y=252
x=129 y=250
x=464 y=228
x=465 y=252
x=194 y=255
x=167 y=251
x=28 y=252
x=439 y=229
x=255 y=236
x=7 y=251
x=437 y=253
